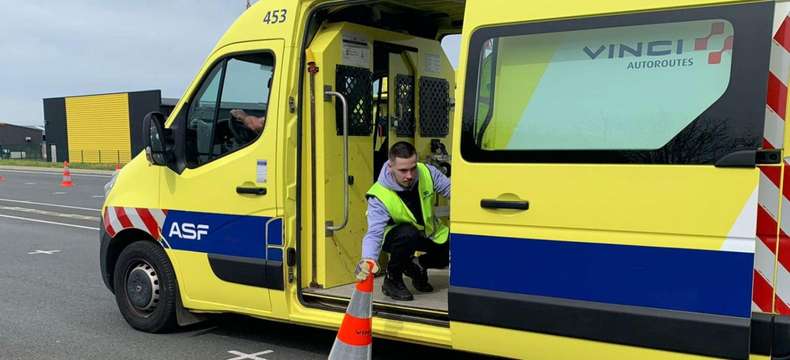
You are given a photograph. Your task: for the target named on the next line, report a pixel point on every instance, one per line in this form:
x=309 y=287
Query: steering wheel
x=240 y=132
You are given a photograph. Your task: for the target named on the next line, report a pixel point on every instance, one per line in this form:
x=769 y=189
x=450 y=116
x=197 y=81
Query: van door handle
x=504 y=204
x=251 y=190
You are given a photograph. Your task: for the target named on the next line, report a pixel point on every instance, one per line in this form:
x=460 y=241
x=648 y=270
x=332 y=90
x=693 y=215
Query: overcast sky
x=63 y=48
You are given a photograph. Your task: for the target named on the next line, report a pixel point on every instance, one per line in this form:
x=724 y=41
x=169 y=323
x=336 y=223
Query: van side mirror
x=158 y=141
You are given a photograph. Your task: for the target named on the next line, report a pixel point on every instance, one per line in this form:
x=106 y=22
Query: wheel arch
x=116 y=245
x=127 y=237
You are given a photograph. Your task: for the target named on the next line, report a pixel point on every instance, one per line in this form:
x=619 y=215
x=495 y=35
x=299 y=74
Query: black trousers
x=403 y=240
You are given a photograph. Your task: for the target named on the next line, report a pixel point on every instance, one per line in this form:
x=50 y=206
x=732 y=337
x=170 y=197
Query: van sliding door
x=599 y=190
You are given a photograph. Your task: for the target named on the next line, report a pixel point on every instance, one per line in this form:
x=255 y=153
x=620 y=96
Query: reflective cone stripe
x=66 y=182
x=354 y=338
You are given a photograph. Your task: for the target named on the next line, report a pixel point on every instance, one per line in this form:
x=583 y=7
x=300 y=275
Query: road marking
x=48 y=204
x=58 y=193
x=49 y=222
x=97 y=196
x=49 y=213
x=29 y=183
x=48 y=252
x=58 y=173
x=242 y=356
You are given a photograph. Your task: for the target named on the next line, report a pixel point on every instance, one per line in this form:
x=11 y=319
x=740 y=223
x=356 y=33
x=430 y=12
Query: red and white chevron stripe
x=771 y=291
x=121 y=218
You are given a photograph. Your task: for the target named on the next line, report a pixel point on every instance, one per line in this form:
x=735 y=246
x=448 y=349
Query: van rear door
x=606 y=188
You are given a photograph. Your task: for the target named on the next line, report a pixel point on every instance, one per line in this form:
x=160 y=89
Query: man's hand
x=252 y=122
x=238 y=114
x=364 y=268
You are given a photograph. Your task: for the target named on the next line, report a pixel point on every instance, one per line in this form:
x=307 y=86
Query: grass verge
x=39 y=163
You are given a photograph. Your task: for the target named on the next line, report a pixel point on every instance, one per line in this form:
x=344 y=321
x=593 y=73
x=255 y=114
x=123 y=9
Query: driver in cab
x=254 y=123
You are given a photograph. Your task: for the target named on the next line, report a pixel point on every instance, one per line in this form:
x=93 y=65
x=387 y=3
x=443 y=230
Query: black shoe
x=419 y=277
x=396 y=289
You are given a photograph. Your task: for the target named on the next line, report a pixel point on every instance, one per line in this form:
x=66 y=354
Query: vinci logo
x=664 y=47
x=714 y=57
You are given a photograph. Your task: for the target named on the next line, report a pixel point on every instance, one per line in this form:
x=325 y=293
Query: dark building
x=20 y=142
x=102 y=128
x=167 y=106
x=16 y=135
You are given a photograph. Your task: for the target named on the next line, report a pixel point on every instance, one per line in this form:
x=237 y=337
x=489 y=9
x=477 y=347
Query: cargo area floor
x=434 y=301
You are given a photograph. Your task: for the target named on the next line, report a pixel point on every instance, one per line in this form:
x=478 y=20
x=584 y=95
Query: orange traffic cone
x=117 y=167
x=354 y=338
x=66 y=182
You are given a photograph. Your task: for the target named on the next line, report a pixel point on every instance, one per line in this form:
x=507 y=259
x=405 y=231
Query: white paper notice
x=356 y=51
x=433 y=63
x=261 y=171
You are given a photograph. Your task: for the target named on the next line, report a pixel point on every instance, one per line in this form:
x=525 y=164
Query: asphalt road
x=53 y=304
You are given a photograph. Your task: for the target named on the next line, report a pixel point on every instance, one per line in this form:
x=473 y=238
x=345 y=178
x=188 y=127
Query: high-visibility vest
x=400 y=213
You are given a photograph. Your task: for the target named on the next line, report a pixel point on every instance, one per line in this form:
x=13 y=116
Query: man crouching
x=400 y=214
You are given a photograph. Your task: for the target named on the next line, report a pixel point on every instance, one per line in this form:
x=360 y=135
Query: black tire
x=143 y=268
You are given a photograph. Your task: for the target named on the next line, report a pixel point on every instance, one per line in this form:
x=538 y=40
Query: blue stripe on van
x=274 y=232
x=234 y=235
x=713 y=282
x=274 y=254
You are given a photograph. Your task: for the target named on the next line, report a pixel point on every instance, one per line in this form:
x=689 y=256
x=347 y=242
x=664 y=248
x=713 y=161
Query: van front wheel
x=145 y=287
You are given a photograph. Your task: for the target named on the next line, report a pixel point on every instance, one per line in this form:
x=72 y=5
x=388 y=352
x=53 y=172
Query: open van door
x=607 y=166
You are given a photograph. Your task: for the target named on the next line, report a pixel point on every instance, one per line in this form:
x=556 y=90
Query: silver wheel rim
x=142 y=287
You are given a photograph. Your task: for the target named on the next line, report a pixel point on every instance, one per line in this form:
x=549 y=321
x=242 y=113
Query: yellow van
x=616 y=168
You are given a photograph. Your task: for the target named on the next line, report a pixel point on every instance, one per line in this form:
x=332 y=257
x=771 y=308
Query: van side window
x=241 y=82
x=672 y=87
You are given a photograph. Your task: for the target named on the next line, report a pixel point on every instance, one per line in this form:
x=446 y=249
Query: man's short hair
x=402 y=150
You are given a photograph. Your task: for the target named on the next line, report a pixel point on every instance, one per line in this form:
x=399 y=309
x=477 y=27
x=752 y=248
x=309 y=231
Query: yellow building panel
x=98 y=128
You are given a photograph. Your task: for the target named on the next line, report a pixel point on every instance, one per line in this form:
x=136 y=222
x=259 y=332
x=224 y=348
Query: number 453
x=275 y=16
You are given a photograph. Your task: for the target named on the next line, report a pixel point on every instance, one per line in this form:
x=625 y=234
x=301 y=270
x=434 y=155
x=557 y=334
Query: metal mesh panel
x=404 y=105
x=356 y=85
x=434 y=107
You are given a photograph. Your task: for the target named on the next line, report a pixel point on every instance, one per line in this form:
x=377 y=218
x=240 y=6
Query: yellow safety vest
x=400 y=213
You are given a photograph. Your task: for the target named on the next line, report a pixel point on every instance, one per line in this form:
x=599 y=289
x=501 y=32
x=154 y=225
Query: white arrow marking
x=242 y=356
x=48 y=252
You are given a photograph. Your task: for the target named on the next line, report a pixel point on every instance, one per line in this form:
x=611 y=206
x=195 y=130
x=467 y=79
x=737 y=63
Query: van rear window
x=679 y=87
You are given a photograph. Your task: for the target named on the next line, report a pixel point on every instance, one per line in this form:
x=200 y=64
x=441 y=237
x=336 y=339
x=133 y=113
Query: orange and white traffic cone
x=117 y=168
x=66 y=182
x=354 y=338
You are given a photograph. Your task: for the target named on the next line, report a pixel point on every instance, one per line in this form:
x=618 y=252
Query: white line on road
x=48 y=204
x=49 y=222
x=30 y=183
x=48 y=252
x=58 y=173
x=49 y=213
x=58 y=193
x=97 y=196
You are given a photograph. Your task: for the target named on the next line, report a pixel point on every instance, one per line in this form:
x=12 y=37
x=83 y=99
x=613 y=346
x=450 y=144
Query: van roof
x=413 y=16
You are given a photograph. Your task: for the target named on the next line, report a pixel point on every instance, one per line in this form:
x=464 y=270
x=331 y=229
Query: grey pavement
x=44 y=186
x=53 y=303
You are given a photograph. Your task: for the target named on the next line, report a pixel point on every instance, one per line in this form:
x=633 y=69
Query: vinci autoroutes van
x=617 y=175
